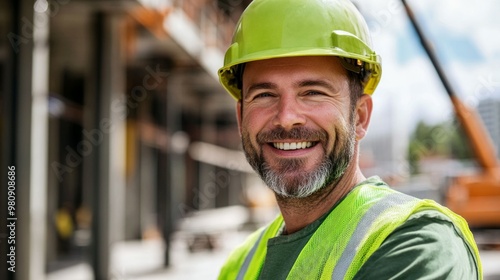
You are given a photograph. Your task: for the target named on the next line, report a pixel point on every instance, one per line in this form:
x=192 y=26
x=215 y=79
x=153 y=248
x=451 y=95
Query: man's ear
x=363 y=114
x=239 y=111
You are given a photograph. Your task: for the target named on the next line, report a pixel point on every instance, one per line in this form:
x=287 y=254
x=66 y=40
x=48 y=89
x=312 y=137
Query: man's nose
x=289 y=113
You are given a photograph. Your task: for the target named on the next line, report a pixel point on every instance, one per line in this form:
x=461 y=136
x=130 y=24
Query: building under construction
x=108 y=108
x=114 y=129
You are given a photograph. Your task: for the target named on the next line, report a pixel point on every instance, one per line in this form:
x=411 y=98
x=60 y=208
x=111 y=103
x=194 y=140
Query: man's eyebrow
x=321 y=83
x=264 y=85
x=303 y=83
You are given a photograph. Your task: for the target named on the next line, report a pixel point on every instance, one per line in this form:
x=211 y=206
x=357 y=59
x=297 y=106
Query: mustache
x=296 y=133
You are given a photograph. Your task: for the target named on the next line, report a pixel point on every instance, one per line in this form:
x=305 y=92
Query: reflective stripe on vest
x=361 y=230
x=249 y=257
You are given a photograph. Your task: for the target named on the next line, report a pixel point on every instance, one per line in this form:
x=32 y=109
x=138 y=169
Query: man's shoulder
x=428 y=243
x=251 y=247
x=430 y=226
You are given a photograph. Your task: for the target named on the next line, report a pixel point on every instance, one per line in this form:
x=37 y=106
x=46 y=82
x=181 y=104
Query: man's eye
x=261 y=95
x=313 y=92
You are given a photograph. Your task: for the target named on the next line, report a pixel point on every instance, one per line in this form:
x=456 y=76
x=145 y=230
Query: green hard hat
x=286 y=28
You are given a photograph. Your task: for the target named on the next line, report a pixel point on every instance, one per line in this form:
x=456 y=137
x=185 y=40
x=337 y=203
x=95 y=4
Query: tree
x=446 y=139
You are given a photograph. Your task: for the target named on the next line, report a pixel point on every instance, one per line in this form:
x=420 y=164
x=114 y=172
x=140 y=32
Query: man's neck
x=300 y=212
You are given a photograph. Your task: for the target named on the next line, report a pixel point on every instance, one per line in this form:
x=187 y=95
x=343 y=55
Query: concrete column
x=108 y=162
x=114 y=83
x=30 y=129
x=39 y=142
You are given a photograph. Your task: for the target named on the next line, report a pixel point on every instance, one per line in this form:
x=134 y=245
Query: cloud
x=461 y=28
x=466 y=36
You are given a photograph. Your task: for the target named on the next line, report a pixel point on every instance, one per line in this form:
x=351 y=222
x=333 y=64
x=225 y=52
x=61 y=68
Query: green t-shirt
x=283 y=250
x=426 y=246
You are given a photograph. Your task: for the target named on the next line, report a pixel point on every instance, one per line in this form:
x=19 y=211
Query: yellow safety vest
x=358 y=224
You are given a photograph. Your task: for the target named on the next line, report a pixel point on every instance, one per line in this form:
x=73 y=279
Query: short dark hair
x=355 y=87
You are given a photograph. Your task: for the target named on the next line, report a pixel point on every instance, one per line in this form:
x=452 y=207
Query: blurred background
x=127 y=154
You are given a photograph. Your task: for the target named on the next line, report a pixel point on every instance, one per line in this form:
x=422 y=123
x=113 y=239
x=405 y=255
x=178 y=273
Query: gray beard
x=289 y=180
x=303 y=184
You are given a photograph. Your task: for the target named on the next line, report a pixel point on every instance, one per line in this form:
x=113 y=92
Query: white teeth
x=292 y=146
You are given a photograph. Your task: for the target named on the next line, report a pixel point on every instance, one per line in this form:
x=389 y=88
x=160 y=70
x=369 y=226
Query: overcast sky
x=466 y=35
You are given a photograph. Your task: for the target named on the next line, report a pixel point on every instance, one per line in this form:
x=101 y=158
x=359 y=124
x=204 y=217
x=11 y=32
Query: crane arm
x=479 y=138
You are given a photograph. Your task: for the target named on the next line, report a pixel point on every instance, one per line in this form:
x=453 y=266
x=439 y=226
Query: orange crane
x=475 y=197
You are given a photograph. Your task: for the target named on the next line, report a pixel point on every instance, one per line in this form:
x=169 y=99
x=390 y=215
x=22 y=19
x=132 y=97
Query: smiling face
x=297 y=126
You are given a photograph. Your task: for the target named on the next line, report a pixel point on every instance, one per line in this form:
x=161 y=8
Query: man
x=302 y=73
